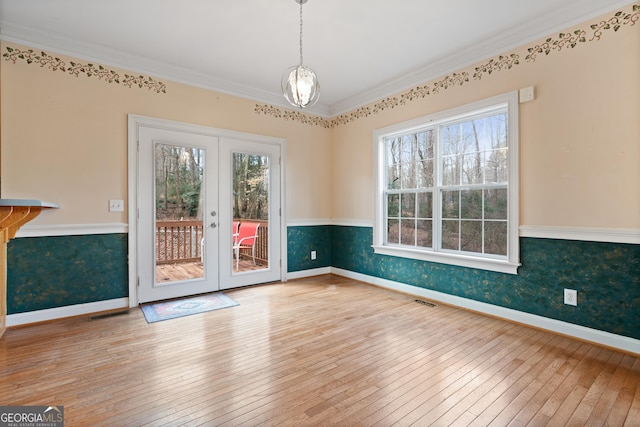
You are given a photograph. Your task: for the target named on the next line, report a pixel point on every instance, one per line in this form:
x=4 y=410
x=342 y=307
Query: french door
x=195 y=193
x=250 y=191
x=178 y=176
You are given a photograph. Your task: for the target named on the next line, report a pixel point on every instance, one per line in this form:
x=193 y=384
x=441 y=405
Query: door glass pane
x=179 y=234
x=250 y=207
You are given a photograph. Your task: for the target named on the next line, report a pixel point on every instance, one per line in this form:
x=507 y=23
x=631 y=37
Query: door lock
x=213 y=213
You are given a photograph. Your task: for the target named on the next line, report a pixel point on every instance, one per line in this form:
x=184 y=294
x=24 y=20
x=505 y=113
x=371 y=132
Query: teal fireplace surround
x=51 y=272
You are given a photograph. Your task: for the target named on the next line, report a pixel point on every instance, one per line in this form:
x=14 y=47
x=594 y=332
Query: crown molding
x=107 y=56
x=532 y=30
x=504 y=42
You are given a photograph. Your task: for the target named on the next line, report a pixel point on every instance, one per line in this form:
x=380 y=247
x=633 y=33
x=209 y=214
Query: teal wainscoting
x=606 y=276
x=304 y=239
x=50 y=272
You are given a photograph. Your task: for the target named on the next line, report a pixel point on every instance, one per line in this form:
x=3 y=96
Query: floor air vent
x=423 y=302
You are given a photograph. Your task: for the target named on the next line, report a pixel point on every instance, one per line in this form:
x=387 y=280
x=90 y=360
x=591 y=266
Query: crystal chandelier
x=300 y=83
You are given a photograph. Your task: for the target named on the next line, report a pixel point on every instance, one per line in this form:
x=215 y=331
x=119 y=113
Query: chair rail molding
x=71 y=229
x=587 y=234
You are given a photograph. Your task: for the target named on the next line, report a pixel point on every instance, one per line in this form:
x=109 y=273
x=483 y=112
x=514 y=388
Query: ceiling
x=362 y=50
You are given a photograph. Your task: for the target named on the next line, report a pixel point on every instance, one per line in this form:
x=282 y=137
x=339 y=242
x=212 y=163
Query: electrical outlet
x=116 y=205
x=571 y=297
x=313 y=255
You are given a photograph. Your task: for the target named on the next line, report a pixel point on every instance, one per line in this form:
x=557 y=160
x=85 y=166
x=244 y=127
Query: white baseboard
x=608 y=339
x=308 y=273
x=67 y=311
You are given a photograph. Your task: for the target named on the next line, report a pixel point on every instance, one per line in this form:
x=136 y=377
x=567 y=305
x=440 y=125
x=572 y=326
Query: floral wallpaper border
x=89 y=70
x=502 y=62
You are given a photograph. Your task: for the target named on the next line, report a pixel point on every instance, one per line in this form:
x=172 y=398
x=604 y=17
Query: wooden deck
x=323 y=351
x=190 y=270
x=179 y=241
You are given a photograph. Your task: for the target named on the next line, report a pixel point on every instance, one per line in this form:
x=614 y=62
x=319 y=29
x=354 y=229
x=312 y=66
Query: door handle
x=214 y=225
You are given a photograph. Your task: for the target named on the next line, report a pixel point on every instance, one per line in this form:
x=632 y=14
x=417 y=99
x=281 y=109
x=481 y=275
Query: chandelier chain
x=300 y=83
x=301 y=33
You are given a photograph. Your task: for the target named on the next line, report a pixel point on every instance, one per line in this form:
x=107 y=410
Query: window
x=446 y=187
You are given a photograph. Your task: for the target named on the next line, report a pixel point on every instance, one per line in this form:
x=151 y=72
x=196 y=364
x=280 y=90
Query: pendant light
x=300 y=83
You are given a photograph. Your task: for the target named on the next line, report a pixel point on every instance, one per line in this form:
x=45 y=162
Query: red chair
x=235 y=231
x=247 y=236
x=234 y=238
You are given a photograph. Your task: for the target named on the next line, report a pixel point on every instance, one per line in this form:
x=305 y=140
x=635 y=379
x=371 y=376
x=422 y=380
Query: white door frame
x=134 y=122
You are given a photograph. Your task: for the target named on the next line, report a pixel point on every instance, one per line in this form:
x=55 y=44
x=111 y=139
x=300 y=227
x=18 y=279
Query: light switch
x=116 y=205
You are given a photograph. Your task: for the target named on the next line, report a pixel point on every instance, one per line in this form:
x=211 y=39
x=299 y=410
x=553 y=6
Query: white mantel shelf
x=28 y=202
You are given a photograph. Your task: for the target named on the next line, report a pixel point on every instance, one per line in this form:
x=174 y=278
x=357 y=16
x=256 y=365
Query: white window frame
x=512 y=262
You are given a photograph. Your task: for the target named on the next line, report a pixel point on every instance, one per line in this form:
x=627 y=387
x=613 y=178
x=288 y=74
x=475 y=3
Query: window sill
x=489 y=264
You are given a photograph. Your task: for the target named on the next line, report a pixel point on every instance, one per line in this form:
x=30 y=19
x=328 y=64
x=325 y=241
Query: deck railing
x=262 y=244
x=179 y=241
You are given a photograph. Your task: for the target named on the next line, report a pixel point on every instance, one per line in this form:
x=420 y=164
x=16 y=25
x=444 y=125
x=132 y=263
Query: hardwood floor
x=318 y=351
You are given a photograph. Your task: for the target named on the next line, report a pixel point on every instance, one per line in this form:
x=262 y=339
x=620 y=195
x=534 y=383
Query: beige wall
x=64 y=139
x=579 y=139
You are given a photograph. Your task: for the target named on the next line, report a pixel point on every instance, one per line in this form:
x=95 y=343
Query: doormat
x=186 y=307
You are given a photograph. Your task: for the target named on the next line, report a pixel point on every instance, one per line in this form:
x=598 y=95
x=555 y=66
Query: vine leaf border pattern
x=502 y=62
x=89 y=70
